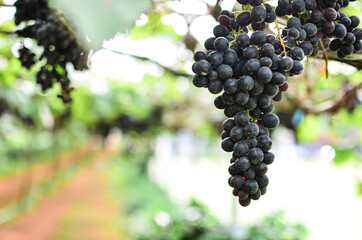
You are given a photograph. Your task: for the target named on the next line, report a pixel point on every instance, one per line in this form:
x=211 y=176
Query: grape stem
x=232 y=42
x=325 y=56
x=280 y=37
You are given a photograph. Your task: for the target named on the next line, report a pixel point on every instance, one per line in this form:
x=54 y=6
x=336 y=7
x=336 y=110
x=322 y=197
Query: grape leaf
x=99 y=20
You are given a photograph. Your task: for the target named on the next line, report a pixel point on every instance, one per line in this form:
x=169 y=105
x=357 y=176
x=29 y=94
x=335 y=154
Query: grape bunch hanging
x=249 y=70
x=52 y=32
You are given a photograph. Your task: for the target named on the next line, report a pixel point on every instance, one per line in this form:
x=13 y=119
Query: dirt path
x=15 y=186
x=82 y=209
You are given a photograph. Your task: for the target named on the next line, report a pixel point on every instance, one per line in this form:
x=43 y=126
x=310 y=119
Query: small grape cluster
x=321 y=19
x=26 y=57
x=249 y=71
x=53 y=34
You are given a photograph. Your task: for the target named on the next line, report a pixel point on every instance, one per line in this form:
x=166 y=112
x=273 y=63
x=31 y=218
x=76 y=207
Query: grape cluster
x=321 y=19
x=249 y=70
x=53 y=34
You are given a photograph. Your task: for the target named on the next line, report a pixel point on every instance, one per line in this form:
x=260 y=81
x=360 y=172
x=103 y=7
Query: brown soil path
x=82 y=209
x=17 y=185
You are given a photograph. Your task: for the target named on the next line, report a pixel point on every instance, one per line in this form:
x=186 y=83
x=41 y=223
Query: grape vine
x=250 y=69
x=38 y=21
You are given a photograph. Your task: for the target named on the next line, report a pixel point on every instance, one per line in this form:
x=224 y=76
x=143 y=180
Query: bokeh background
x=137 y=154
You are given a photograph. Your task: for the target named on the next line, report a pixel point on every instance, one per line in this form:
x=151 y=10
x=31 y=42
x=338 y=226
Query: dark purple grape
x=219 y=103
x=264 y=74
x=236 y=133
x=224 y=20
x=297 y=67
x=200 y=81
x=266 y=62
x=284 y=87
x=316 y=16
x=298 y=6
x=293 y=22
x=268 y=158
x=285 y=4
x=346 y=21
x=340 y=31
x=278 y=78
x=310 y=29
x=261 y=168
x=240 y=148
x=258 y=14
x=307 y=48
x=293 y=33
x=224 y=71
x=330 y=14
x=255 y=2
x=251 y=130
x=220 y=31
x=228 y=124
x=221 y=44
x=278 y=97
x=328 y=27
x=347 y=49
x=354 y=21
x=200 y=55
x=215 y=87
x=251 y=186
x=209 y=43
x=310 y=4
x=227 y=145
x=270 y=120
x=231 y=86
x=262 y=181
x=281 y=12
x=250 y=52
x=297 y=53
x=252 y=65
x=267 y=50
x=286 y=63
x=335 y=44
x=244 y=18
x=243 y=195
x=350 y=38
x=245 y=202
x=255 y=155
x=258 y=38
x=243 y=163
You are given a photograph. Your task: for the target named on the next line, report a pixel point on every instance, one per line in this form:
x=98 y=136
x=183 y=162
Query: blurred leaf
x=359 y=187
x=154 y=26
x=310 y=128
x=101 y=19
x=345 y=155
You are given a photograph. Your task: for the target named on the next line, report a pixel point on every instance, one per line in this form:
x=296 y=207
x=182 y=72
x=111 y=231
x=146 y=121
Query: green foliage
x=314 y=124
x=274 y=227
x=153 y=27
x=345 y=155
x=359 y=187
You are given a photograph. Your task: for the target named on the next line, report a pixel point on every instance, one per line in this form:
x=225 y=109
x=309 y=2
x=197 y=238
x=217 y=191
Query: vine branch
x=345 y=98
x=354 y=60
x=167 y=69
x=325 y=55
x=7 y=32
x=6 y=5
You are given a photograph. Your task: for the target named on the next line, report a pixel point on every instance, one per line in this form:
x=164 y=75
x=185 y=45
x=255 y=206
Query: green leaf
x=154 y=26
x=99 y=19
